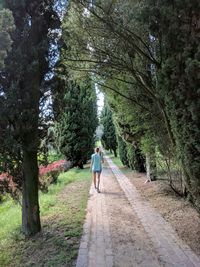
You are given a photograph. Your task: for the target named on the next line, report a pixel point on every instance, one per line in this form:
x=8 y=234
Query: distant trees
x=108 y=138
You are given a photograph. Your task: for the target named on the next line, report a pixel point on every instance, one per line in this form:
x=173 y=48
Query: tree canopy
x=140 y=55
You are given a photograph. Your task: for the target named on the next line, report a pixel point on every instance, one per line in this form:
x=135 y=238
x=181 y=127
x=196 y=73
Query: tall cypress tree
x=122 y=146
x=77 y=122
x=109 y=136
x=6 y=28
x=21 y=83
x=175 y=26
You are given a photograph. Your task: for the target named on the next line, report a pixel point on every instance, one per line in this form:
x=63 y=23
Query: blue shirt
x=96 y=162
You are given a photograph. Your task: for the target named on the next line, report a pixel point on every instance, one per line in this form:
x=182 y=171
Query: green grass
x=98 y=143
x=62 y=215
x=117 y=161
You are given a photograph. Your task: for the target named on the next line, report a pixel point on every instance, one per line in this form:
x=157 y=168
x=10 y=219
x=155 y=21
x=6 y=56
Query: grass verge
x=62 y=216
x=117 y=161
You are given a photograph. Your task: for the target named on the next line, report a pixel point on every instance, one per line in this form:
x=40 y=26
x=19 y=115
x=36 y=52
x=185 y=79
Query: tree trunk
x=139 y=161
x=79 y=165
x=148 y=172
x=115 y=152
x=30 y=204
x=150 y=168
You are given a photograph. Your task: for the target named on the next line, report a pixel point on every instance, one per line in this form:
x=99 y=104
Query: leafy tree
x=109 y=139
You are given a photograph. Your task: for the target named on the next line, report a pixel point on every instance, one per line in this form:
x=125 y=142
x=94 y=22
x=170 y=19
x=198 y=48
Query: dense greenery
x=177 y=25
x=6 y=28
x=77 y=122
x=109 y=139
x=27 y=91
x=122 y=147
x=149 y=73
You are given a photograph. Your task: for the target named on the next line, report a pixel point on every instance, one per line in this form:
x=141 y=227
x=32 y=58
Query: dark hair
x=97 y=149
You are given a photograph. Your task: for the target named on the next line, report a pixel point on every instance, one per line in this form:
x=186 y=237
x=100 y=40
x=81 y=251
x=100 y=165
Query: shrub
x=135 y=158
x=49 y=174
x=122 y=147
x=8 y=186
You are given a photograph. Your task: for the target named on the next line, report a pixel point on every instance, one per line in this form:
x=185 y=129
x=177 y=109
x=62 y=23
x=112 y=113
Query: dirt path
x=121 y=229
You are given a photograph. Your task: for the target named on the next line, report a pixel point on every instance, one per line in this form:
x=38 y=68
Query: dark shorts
x=97 y=171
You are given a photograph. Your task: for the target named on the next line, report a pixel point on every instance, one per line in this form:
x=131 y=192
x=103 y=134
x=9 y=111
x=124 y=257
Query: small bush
x=8 y=186
x=49 y=174
x=122 y=148
x=135 y=158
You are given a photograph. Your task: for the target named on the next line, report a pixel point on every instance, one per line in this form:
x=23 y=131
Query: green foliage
x=135 y=158
x=21 y=100
x=149 y=72
x=6 y=28
x=46 y=180
x=122 y=148
x=109 y=139
x=177 y=24
x=22 y=124
x=75 y=128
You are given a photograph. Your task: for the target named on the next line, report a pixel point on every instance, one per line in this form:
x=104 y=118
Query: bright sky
x=100 y=99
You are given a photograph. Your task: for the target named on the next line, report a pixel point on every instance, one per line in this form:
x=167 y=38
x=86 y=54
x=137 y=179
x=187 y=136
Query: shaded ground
x=179 y=213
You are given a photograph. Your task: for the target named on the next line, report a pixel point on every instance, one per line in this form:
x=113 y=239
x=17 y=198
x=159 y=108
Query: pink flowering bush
x=49 y=174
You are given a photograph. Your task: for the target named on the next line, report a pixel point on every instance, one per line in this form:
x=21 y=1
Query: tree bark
x=148 y=172
x=150 y=167
x=140 y=161
x=30 y=204
x=115 y=152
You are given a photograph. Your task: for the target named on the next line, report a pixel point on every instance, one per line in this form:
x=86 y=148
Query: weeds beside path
x=62 y=216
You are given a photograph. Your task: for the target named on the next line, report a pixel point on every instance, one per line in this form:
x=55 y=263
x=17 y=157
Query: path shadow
x=112 y=193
